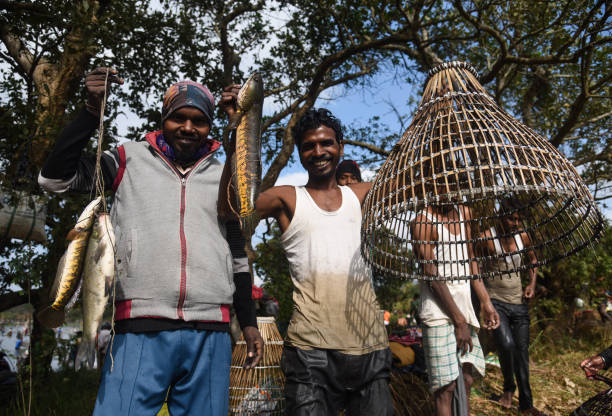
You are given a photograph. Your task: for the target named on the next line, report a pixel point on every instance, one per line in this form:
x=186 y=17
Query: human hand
x=94 y=83
x=229 y=96
x=490 y=315
x=255 y=345
x=592 y=365
x=529 y=291
x=464 y=338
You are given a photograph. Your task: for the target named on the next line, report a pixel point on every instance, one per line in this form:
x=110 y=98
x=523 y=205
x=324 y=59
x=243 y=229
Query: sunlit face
x=186 y=131
x=320 y=152
x=347 y=178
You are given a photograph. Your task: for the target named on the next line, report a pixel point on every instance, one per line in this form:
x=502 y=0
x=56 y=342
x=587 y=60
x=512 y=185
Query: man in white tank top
x=449 y=322
x=336 y=353
x=506 y=292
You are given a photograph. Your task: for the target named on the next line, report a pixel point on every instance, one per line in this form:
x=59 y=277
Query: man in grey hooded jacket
x=179 y=265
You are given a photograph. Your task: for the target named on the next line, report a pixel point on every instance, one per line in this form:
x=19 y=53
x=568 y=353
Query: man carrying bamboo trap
x=336 y=353
x=179 y=266
x=452 y=350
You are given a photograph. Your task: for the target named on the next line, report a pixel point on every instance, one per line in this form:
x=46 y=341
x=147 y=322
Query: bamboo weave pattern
x=258 y=391
x=463 y=153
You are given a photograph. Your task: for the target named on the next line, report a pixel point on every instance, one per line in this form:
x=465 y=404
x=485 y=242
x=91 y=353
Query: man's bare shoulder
x=361 y=189
x=466 y=211
x=525 y=238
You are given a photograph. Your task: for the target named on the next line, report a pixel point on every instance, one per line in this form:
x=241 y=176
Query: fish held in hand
x=98 y=275
x=69 y=269
x=246 y=160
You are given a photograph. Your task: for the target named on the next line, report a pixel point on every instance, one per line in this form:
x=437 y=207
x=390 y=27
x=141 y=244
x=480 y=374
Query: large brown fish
x=69 y=269
x=98 y=275
x=246 y=161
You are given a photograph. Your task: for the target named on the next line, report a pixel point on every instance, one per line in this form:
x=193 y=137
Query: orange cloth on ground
x=402 y=354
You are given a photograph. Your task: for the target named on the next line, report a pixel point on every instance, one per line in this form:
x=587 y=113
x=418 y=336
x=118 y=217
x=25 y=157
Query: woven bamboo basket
x=463 y=153
x=598 y=405
x=258 y=391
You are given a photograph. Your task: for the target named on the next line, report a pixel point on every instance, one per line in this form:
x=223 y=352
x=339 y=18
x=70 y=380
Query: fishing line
x=99 y=191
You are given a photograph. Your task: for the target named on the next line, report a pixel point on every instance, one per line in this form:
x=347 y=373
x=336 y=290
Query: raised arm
x=278 y=203
x=361 y=189
x=225 y=201
x=65 y=169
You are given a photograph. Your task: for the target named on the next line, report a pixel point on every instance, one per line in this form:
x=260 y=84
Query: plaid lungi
x=441 y=354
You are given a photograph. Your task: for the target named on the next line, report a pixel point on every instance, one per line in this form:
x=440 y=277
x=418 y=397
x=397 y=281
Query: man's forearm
x=243 y=299
x=65 y=169
x=533 y=275
x=63 y=160
x=481 y=291
x=226 y=193
x=606 y=355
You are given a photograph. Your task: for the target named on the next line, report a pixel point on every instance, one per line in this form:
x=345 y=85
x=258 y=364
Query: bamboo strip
x=258 y=391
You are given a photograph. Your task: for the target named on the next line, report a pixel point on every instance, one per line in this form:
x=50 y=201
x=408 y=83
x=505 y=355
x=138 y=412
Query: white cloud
x=295 y=179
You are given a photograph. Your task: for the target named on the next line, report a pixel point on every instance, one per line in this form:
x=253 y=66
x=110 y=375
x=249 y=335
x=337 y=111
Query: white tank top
x=455 y=257
x=334 y=302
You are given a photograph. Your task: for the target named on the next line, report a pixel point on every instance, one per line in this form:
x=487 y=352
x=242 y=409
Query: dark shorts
x=323 y=382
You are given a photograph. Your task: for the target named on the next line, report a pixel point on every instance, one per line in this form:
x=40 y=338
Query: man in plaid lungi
x=448 y=317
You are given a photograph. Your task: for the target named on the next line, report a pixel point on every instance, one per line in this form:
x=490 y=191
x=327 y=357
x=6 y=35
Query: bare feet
x=506 y=399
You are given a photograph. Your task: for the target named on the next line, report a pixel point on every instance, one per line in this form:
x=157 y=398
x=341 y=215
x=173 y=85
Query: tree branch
x=372 y=148
x=575 y=111
x=17 y=49
x=12 y=299
x=22 y=6
x=499 y=63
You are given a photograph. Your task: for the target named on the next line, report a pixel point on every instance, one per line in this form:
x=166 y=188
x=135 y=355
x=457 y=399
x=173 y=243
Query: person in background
x=450 y=340
x=18 y=343
x=509 y=299
x=348 y=173
x=75 y=341
x=605 y=307
x=387 y=318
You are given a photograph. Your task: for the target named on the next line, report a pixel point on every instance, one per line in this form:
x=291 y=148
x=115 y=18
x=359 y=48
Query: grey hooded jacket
x=173 y=260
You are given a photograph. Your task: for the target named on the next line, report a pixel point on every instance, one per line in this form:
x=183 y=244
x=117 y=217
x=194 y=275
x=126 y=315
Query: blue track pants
x=194 y=364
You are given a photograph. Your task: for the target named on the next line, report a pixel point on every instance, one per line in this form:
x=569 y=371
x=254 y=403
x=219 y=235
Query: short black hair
x=313 y=119
x=510 y=205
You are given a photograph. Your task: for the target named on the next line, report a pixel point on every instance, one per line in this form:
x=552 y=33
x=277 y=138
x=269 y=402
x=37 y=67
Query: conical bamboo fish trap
x=258 y=391
x=464 y=152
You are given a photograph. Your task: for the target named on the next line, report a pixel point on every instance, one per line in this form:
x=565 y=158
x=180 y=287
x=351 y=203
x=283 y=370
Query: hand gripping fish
x=70 y=265
x=246 y=161
x=98 y=275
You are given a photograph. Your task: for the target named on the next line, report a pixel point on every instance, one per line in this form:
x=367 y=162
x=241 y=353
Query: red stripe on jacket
x=121 y=170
